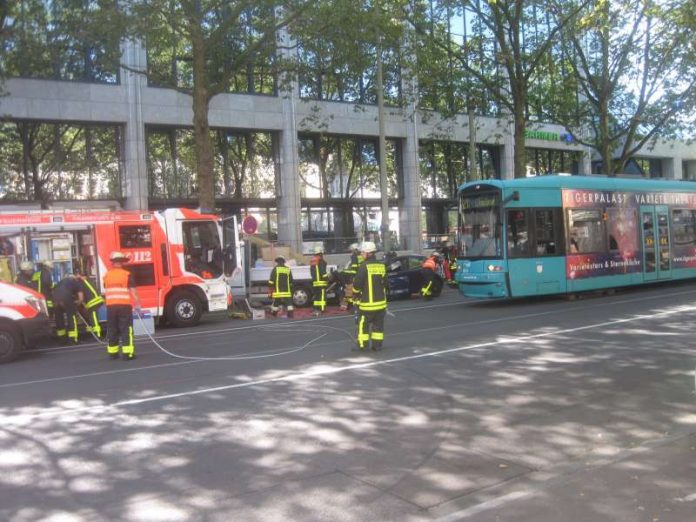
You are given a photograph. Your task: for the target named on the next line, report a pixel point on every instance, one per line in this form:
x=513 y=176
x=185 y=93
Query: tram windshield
x=480 y=226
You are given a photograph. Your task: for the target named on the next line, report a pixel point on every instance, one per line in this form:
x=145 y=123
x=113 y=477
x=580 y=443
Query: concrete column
x=410 y=200
x=289 y=203
x=410 y=206
x=586 y=162
x=507 y=157
x=672 y=168
x=134 y=182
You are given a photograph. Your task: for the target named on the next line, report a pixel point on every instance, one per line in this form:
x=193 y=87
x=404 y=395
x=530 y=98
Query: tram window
x=546 y=232
x=622 y=225
x=684 y=226
x=586 y=231
x=517 y=233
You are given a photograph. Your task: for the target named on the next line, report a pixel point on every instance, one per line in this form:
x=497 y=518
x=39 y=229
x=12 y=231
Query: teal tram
x=567 y=234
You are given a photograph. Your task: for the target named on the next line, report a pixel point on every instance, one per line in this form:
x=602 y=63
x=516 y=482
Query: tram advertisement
x=591 y=212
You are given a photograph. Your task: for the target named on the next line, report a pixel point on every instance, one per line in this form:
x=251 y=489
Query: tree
x=505 y=51
x=633 y=65
x=215 y=42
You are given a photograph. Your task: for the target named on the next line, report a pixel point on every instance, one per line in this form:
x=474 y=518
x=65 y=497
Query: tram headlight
x=495 y=268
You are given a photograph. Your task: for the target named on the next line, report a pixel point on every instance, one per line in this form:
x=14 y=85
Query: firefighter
x=93 y=300
x=348 y=274
x=280 y=288
x=25 y=277
x=320 y=280
x=370 y=290
x=120 y=294
x=67 y=296
x=43 y=278
x=429 y=270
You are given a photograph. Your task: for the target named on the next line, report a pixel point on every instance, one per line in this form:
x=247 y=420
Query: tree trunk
x=520 y=158
x=605 y=147
x=205 y=171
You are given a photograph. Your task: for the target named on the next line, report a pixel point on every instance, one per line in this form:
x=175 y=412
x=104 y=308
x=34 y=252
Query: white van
x=23 y=320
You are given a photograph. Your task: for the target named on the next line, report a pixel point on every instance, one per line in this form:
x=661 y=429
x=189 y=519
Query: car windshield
x=480 y=226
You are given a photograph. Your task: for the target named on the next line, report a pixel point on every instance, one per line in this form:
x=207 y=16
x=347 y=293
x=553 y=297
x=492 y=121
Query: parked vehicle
x=180 y=259
x=405 y=277
x=302 y=283
x=23 y=320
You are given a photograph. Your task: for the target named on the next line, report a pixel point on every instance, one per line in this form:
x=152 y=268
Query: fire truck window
x=202 y=251
x=135 y=236
x=143 y=275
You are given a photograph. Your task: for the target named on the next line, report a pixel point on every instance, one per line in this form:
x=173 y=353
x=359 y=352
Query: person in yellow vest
x=25 y=276
x=120 y=295
x=348 y=274
x=370 y=288
x=429 y=269
x=44 y=282
x=67 y=297
x=320 y=280
x=93 y=300
x=280 y=288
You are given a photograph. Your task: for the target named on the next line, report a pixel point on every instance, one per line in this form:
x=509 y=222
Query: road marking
x=219 y=331
x=282 y=326
x=320 y=372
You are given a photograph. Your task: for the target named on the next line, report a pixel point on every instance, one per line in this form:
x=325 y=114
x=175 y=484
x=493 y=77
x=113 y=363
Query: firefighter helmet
x=354 y=246
x=319 y=249
x=26 y=266
x=368 y=247
x=280 y=260
x=47 y=263
x=118 y=256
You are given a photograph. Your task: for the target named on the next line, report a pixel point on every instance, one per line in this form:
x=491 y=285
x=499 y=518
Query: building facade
x=305 y=167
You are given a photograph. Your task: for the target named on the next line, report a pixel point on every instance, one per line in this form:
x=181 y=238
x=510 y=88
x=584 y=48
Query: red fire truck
x=179 y=258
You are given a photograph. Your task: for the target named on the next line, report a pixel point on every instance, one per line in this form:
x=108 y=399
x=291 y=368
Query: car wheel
x=184 y=309
x=301 y=296
x=10 y=344
x=437 y=287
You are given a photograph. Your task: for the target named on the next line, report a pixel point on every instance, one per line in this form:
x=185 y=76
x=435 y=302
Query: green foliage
x=67 y=40
x=43 y=161
x=633 y=64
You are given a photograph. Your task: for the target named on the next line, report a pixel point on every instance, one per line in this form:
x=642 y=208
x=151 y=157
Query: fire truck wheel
x=184 y=309
x=10 y=344
x=301 y=296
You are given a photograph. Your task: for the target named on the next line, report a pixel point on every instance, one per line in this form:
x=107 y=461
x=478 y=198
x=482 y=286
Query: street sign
x=250 y=225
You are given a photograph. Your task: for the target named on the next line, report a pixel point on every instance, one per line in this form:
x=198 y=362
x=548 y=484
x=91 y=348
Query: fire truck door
x=138 y=241
x=233 y=259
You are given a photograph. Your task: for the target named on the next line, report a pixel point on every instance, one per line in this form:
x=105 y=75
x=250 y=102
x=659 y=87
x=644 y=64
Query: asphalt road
x=533 y=410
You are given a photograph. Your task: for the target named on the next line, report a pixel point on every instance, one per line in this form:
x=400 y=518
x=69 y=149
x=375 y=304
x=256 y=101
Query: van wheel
x=301 y=296
x=10 y=344
x=184 y=309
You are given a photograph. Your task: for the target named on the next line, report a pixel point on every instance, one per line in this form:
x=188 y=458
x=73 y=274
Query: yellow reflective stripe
x=362 y=336
x=379 y=305
x=378 y=336
x=320 y=284
x=281 y=294
x=94 y=302
x=112 y=349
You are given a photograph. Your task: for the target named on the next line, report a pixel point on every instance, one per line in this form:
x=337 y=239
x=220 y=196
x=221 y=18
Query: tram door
x=657 y=259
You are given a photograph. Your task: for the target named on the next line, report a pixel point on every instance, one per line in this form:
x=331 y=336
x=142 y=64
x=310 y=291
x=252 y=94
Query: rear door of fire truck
x=234 y=260
x=140 y=240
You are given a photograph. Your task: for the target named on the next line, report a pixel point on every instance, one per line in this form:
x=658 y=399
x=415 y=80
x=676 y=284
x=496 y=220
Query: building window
x=245 y=166
x=42 y=161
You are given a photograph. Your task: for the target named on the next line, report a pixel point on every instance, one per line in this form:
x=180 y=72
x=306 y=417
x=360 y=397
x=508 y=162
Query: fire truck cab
x=179 y=258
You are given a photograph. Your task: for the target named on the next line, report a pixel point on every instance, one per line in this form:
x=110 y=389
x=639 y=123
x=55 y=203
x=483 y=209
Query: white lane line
x=321 y=372
x=220 y=331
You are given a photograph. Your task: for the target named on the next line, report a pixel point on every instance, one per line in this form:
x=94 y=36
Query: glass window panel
x=517 y=233
x=586 y=231
x=546 y=233
x=135 y=236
